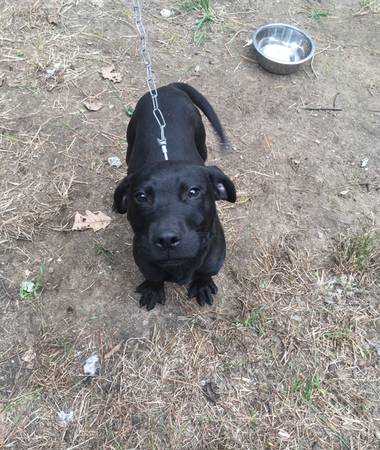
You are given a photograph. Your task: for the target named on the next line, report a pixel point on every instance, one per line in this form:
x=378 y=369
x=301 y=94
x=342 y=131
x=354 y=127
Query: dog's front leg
x=203 y=288
x=152 y=292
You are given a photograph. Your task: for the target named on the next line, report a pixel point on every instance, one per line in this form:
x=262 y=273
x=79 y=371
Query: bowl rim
x=280 y=24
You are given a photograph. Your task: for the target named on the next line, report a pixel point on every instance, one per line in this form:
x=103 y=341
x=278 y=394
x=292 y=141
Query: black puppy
x=171 y=204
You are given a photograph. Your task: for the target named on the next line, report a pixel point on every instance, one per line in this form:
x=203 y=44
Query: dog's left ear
x=121 y=194
x=224 y=188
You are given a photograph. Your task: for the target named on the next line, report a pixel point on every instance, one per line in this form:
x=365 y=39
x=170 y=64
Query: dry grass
x=286 y=357
x=279 y=367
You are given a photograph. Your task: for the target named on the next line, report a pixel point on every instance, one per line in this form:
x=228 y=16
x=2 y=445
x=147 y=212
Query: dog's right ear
x=120 y=195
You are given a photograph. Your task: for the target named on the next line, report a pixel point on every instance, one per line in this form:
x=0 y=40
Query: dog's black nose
x=167 y=239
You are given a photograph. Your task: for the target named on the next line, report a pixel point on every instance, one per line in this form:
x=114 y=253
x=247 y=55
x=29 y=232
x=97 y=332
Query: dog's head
x=171 y=208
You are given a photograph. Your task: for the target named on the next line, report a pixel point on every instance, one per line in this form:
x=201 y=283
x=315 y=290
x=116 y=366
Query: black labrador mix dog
x=171 y=204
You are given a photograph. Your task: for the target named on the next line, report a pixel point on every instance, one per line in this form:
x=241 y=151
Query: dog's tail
x=202 y=103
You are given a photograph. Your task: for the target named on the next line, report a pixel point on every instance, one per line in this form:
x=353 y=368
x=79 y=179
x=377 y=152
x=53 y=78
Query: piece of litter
x=166 y=12
x=92 y=104
x=296 y=317
x=248 y=43
x=129 y=110
x=376 y=346
x=364 y=163
x=91 y=365
x=284 y=434
x=64 y=418
x=27 y=287
x=114 y=161
x=57 y=68
x=97 y=221
x=344 y=193
x=109 y=73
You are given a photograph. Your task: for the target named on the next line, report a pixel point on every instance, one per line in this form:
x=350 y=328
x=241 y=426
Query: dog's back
x=184 y=130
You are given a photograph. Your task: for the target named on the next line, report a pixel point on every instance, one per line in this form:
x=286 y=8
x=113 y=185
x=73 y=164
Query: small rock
x=344 y=193
x=210 y=391
x=166 y=12
x=197 y=68
x=114 y=161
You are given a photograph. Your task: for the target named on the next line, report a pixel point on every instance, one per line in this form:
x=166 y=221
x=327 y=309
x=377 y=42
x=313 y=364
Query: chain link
x=149 y=76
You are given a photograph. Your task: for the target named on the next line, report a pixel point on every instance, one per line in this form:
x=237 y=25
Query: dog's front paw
x=151 y=293
x=203 y=289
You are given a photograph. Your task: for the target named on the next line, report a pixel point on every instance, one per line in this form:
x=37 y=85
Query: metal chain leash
x=149 y=76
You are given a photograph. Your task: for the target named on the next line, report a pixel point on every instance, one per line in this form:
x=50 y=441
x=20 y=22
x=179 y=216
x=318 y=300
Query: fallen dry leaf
x=92 y=104
x=29 y=356
x=97 y=221
x=109 y=73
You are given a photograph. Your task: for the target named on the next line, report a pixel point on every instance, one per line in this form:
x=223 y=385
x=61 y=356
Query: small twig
x=249 y=59
x=334 y=101
x=322 y=108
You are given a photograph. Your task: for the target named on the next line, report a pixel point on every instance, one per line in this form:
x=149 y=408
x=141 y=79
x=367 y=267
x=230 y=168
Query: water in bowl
x=282 y=51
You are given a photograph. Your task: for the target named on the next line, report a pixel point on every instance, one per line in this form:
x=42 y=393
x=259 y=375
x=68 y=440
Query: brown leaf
x=29 y=356
x=97 y=221
x=109 y=73
x=92 y=104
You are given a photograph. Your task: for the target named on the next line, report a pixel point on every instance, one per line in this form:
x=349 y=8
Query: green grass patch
x=254 y=321
x=306 y=387
x=356 y=253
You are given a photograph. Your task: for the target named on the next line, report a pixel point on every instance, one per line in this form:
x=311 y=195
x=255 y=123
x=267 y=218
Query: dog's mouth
x=172 y=262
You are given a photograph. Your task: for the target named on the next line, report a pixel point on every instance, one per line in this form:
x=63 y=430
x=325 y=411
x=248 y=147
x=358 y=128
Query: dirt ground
x=288 y=355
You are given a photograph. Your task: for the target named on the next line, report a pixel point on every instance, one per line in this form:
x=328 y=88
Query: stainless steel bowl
x=282 y=48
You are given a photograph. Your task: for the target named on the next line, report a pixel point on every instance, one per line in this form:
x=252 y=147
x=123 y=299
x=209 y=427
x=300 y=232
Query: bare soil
x=288 y=355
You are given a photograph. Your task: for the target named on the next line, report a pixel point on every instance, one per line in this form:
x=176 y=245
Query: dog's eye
x=193 y=192
x=141 y=197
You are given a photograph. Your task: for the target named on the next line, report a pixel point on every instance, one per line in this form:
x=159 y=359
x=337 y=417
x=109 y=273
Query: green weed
x=207 y=16
x=32 y=288
x=317 y=13
x=100 y=250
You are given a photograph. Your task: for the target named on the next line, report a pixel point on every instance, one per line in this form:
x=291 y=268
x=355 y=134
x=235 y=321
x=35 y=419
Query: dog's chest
x=181 y=274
